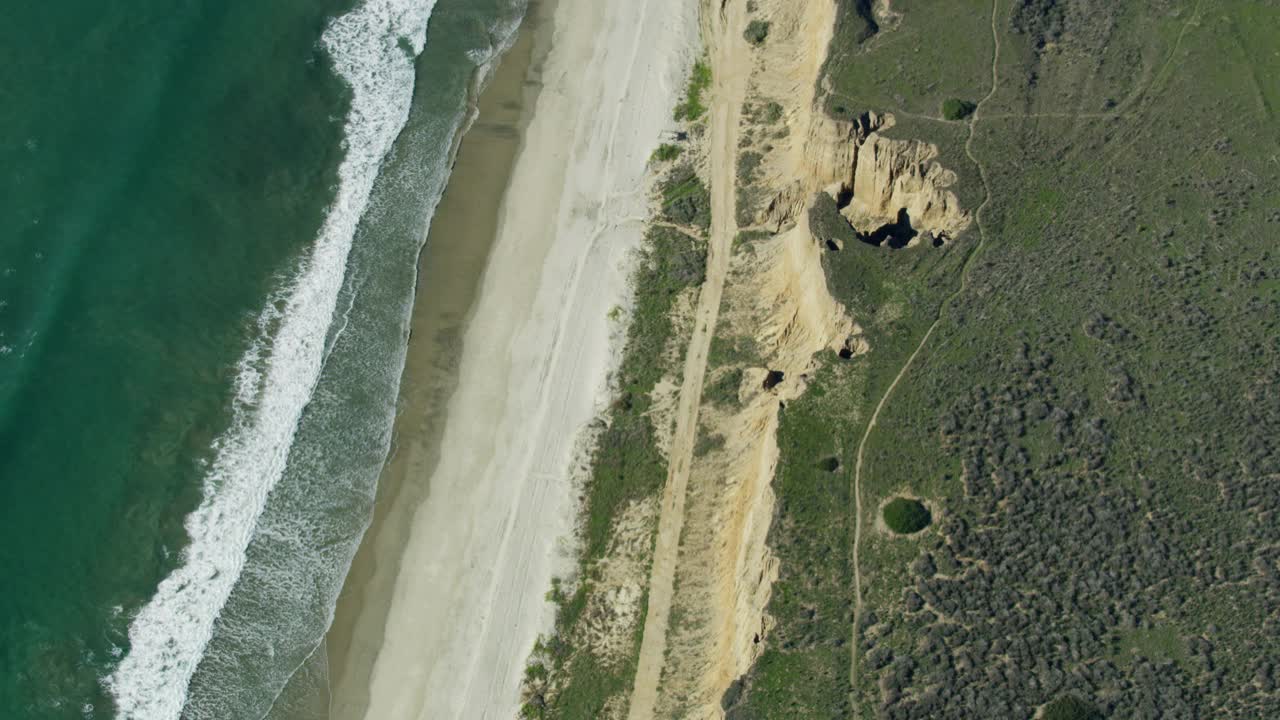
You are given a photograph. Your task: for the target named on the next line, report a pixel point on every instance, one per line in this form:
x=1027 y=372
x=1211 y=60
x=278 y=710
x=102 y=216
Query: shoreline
x=452 y=606
x=450 y=269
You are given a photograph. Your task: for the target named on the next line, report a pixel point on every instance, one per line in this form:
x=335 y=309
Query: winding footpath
x=729 y=67
x=884 y=399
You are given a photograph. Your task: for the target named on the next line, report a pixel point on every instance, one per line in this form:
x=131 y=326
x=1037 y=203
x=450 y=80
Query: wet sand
x=449 y=275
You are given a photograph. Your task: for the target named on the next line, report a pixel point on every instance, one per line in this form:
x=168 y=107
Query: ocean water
x=210 y=213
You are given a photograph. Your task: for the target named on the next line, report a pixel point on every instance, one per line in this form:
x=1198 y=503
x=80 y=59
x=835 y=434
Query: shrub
x=756 y=32
x=828 y=225
x=708 y=443
x=723 y=391
x=699 y=80
x=667 y=152
x=685 y=199
x=905 y=516
x=957 y=109
x=748 y=164
x=1070 y=707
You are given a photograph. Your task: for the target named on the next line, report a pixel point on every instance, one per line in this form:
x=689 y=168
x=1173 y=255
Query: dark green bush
x=957 y=109
x=905 y=516
x=667 y=151
x=685 y=200
x=1070 y=707
x=756 y=32
x=748 y=164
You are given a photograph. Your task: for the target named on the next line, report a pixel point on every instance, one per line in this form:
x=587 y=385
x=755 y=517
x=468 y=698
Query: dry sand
x=452 y=607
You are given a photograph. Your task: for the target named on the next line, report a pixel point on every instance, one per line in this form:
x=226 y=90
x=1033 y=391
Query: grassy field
x=1094 y=421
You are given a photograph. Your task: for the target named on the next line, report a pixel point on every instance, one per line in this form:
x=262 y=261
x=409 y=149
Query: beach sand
x=450 y=268
x=475 y=513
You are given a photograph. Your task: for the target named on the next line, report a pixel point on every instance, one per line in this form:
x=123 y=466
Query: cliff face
x=875 y=177
x=778 y=323
x=889 y=176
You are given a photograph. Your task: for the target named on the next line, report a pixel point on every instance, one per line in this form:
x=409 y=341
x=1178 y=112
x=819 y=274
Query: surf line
x=277 y=375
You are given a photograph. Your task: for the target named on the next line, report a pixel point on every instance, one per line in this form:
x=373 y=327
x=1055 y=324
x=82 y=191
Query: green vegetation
x=756 y=32
x=726 y=350
x=699 y=80
x=722 y=390
x=906 y=516
x=1157 y=643
x=805 y=663
x=1070 y=707
x=685 y=199
x=708 y=443
x=564 y=681
x=957 y=109
x=1098 y=406
x=827 y=224
x=748 y=196
x=667 y=152
x=748 y=165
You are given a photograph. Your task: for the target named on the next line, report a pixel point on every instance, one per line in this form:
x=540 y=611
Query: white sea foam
x=277 y=375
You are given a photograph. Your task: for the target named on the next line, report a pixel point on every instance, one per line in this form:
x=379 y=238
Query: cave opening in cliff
x=772 y=379
x=895 y=235
x=844 y=197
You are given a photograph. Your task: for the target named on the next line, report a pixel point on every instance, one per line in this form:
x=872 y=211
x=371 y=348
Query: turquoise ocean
x=210 y=216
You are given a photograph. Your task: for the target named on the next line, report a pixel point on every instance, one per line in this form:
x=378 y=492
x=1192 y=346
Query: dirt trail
x=884 y=399
x=730 y=65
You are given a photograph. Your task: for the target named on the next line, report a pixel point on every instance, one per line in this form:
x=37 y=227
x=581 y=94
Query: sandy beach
x=447 y=595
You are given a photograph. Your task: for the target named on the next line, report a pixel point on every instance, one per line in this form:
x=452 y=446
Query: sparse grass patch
x=708 y=443
x=723 y=390
x=729 y=350
x=667 y=152
x=699 y=80
x=746 y=201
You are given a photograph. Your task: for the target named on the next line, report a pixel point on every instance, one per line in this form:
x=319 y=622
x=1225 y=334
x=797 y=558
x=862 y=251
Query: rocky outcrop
x=874 y=177
x=890 y=176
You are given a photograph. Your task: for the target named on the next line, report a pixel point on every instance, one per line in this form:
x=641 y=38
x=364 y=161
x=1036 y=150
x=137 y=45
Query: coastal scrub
x=699 y=80
x=957 y=109
x=906 y=516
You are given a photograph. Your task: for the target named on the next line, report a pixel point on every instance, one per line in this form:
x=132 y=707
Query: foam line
x=277 y=375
